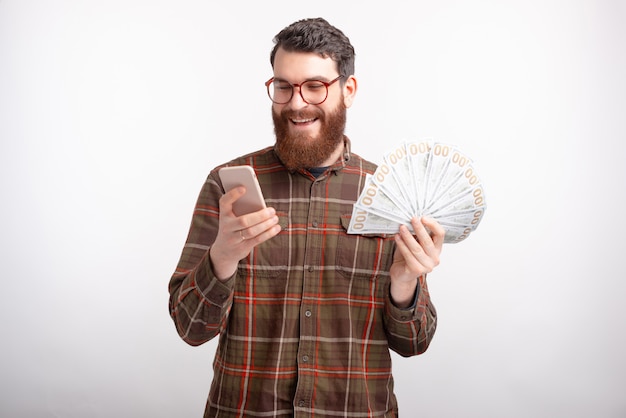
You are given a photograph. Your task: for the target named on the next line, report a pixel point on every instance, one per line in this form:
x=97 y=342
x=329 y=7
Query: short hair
x=318 y=36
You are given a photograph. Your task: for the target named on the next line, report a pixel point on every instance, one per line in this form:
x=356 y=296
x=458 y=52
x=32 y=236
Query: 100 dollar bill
x=421 y=178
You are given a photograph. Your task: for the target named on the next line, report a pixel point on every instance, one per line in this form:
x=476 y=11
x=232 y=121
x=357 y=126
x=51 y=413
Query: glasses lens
x=314 y=92
x=280 y=91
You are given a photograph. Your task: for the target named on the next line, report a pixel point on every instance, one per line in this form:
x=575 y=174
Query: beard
x=302 y=151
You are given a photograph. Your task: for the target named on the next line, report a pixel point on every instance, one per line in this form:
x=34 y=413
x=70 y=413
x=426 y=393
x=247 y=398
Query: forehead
x=298 y=66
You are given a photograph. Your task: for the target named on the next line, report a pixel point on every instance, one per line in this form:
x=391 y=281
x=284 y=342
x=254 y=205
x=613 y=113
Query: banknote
x=374 y=199
x=366 y=222
x=390 y=185
x=448 y=166
x=418 y=153
x=398 y=161
x=421 y=178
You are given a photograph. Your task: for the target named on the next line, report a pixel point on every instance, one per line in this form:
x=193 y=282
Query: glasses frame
x=293 y=86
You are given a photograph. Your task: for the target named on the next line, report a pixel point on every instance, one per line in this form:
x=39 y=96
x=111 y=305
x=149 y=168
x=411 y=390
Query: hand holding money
x=414 y=258
x=421 y=178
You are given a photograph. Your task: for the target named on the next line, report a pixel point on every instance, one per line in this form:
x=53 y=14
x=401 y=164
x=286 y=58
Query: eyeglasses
x=313 y=92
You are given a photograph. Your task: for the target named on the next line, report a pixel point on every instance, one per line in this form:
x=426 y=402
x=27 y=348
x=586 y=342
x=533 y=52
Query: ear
x=349 y=91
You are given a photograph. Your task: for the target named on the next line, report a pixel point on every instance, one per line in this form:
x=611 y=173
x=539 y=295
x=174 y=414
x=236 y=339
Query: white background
x=113 y=112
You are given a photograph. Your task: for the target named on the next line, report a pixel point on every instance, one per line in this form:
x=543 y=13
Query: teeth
x=302 y=120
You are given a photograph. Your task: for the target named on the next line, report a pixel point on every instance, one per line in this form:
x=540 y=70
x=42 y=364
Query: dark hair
x=319 y=36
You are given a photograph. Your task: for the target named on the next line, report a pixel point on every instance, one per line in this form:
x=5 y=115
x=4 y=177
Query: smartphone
x=243 y=175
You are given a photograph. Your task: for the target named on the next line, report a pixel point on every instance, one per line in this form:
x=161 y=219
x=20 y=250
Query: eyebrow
x=314 y=78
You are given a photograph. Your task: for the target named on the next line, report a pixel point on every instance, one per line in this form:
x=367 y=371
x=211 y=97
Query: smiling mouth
x=303 y=121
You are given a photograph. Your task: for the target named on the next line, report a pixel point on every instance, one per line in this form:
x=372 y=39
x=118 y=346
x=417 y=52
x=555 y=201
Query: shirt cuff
x=215 y=291
x=404 y=314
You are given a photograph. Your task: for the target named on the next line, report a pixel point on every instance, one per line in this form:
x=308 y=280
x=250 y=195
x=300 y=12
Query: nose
x=297 y=101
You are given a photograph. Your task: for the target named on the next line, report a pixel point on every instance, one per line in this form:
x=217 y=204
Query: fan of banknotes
x=421 y=178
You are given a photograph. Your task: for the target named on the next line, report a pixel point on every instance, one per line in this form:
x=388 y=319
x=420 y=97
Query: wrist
x=403 y=294
x=222 y=269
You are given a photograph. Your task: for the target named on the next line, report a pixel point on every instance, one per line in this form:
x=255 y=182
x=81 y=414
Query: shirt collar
x=345 y=156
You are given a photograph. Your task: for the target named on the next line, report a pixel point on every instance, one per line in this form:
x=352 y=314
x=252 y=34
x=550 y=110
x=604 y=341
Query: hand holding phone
x=243 y=175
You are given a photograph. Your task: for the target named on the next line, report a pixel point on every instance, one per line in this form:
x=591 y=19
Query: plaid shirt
x=306 y=322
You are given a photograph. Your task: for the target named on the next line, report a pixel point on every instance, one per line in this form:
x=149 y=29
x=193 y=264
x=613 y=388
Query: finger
x=420 y=251
x=249 y=242
x=258 y=222
x=423 y=235
x=406 y=257
x=437 y=232
x=227 y=200
x=433 y=242
x=408 y=246
x=256 y=219
x=268 y=233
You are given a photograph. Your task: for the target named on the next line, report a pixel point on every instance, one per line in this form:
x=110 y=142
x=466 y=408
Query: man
x=306 y=313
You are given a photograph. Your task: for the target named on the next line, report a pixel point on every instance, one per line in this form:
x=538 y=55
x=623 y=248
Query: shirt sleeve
x=199 y=303
x=411 y=330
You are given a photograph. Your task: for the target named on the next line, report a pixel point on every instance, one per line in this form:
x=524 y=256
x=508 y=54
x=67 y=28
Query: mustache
x=287 y=114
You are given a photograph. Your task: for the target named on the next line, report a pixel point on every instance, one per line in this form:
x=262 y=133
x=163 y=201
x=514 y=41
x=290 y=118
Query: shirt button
x=310 y=269
x=305 y=359
x=301 y=403
x=314 y=224
x=308 y=314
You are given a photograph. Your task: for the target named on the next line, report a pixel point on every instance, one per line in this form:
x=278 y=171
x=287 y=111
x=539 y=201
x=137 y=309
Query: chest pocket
x=271 y=258
x=363 y=256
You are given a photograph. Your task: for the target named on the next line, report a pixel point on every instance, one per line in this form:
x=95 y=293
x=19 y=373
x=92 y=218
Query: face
x=310 y=135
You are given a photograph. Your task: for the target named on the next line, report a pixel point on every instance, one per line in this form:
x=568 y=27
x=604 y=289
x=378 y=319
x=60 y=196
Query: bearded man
x=306 y=314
